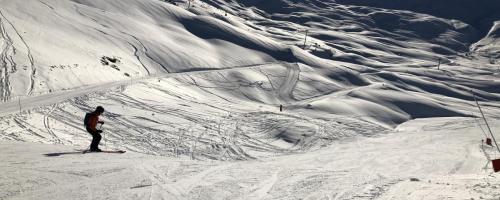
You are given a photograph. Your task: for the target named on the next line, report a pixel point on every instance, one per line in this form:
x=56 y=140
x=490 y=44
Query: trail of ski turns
x=7 y=64
x=8 y=52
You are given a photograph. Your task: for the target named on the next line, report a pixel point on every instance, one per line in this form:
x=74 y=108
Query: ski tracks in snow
x=46 y=124
x=6 y=58
x=178 y=186
x=137 y=51
x=261 y=190
x=145 y=52
x=290 y=82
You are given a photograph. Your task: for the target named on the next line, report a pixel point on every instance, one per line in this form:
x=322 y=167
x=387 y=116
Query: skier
x=91 y=120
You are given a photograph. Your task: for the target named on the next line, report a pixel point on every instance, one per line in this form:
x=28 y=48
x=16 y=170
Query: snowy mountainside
x=86 y=32
x=374 y=98
x=346 y=27
x=73 y=37
x=482 y=16
x=490 y=44
x=371 y=65
x=480 y=13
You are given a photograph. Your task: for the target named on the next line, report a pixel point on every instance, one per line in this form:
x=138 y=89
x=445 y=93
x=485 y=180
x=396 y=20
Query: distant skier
x=91 y=120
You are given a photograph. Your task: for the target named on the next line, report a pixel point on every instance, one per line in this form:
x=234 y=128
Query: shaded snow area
x=377 y=97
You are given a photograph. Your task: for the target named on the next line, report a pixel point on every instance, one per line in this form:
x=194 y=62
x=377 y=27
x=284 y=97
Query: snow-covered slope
x=491 y=43
x=44 y=39
x=205 y=80
x=424 y=159
x=70 y=40
x=481 y=15
x=478 y=13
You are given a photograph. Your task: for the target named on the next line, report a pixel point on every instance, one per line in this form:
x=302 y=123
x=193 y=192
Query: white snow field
x=378 y=99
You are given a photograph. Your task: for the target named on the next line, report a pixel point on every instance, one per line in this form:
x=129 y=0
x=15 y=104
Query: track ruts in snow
x=46 y=123
x=290 y=82
x=29 y=55
x=7 y=63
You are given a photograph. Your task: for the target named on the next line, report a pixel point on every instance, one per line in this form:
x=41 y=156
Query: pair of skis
x=104 y=151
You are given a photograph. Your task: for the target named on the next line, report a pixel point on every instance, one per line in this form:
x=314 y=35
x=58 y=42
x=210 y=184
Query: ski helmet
x=99 y=109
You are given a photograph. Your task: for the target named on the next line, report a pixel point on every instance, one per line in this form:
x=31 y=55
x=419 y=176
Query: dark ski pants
x=96 y=138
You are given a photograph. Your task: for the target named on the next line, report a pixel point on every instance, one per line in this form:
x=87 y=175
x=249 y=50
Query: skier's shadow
x=62 y=153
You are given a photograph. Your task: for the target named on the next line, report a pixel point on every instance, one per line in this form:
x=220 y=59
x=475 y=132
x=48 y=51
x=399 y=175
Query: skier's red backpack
x=86 y=119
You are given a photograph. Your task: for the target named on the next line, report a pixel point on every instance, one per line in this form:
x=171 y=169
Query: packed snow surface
x=423 y=159
x=378 y=99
